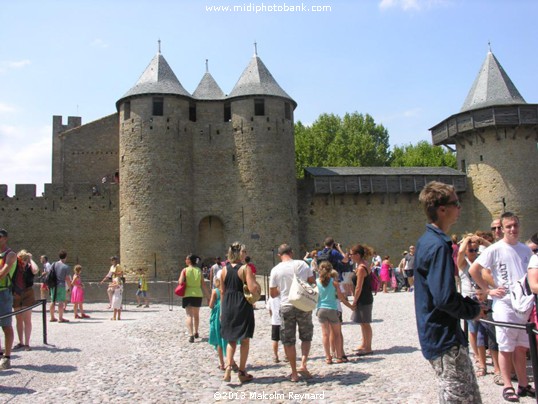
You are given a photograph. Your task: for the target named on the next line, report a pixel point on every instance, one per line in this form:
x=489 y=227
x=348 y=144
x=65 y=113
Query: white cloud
x=6 y=65
x=99 y=43
x=6 y=108
x=26 y=156
x=411 y=5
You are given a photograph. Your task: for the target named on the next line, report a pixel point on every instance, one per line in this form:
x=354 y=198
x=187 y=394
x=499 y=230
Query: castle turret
x=155 y=170
x=496 y=136
x=263 y=130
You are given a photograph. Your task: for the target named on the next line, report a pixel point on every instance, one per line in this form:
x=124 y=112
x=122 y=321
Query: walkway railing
x=532 y=332
x=43 y=304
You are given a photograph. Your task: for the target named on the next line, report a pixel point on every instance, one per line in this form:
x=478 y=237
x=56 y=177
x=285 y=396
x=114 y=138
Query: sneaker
x=191 y=338
x=5 y=363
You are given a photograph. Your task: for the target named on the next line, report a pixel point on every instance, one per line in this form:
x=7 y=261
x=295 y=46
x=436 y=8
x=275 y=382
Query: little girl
x=117 y=285
x=77 y=294
x=215 y=338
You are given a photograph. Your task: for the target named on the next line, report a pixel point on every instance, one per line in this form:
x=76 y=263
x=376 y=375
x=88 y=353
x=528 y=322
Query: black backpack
x=51 y=278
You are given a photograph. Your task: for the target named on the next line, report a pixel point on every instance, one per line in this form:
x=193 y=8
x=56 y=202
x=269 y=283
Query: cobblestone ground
x=147 y=358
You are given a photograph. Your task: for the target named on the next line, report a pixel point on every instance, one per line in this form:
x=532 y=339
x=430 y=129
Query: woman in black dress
x=362 y=297
x=237 y=315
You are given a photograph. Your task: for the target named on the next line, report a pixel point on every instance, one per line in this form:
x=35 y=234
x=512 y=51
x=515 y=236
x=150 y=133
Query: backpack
x=324 y=255
x=522 y=298
x=374 y=282
x=51 y=278
x=18 y=280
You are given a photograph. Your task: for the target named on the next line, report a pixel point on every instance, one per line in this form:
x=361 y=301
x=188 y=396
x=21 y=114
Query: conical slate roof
x=491 y=87
x=208 y=89
x=158 y=78
x=257 y=80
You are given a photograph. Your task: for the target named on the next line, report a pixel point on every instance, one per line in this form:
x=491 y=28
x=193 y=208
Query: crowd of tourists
x=471 y=278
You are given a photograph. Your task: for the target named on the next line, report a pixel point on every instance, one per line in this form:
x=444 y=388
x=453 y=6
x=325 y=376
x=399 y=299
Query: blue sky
x=408 y=63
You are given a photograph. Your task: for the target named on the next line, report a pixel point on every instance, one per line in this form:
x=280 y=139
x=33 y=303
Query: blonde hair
x=216 y=282
x=325 y=272
x=234 y=252
x=77 y=269
x=24 y=255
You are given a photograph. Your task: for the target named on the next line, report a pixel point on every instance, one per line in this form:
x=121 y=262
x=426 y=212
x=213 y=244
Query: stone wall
x=86 y=226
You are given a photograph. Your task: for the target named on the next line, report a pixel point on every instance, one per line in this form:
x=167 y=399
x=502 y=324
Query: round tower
x=496 y=136
x=263 y=132
x=155 y=171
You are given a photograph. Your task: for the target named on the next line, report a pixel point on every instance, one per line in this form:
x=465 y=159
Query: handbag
x=180 y=289
x=302 y=295
x=251 y=297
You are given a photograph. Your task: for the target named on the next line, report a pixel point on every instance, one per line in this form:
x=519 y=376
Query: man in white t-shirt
x=508 y=260
x=279 y=285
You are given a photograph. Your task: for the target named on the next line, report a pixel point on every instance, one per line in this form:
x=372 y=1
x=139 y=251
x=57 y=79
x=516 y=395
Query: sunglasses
x=496 y=228
x=455 y=203
x=473 y=250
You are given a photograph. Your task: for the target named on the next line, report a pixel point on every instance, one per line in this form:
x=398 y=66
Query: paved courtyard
x=147 y=358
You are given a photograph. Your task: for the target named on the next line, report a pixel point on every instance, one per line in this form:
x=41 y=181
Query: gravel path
x=146 y=358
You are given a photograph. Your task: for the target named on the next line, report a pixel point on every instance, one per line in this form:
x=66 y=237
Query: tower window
x=192 y=112
x=227 y=112
x=463 y=166
x=287 y=110
x=158 y=106
x=259 y=107
x=127 y=110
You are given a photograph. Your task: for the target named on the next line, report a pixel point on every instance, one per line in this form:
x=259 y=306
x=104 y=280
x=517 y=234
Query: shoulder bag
x=302 y=295
x=180 y=289
x=251 y=297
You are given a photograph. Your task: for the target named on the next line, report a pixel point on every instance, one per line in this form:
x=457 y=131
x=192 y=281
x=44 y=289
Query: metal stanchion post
x=44 y=317
x=534 y=352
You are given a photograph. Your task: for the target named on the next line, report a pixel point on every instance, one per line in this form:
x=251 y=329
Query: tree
x=353 y=141
x=423 y=154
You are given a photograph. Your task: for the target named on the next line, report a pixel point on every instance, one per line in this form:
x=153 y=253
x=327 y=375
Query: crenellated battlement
x=84 y=191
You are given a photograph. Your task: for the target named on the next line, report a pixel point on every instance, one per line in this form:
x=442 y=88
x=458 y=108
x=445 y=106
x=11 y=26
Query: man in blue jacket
x=438 y=305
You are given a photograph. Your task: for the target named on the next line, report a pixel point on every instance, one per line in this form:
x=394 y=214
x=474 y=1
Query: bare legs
x=24 y=327
x=192 y=319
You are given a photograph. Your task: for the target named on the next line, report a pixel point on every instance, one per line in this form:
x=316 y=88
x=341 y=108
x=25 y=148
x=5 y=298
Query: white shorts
x=510 y=338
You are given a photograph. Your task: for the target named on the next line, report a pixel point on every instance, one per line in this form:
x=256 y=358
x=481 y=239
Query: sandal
x=498 y=379
x=235 y=368
x=244 y=377
x=227 y=374
x=509 y=394
x=342 y=360
x=18 y=346
x=480 y=371
x=527 y=391
x=329 y=361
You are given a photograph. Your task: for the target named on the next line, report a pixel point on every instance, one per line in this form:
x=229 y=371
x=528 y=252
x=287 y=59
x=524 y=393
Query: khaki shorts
x=292 y=318
x=23 y=300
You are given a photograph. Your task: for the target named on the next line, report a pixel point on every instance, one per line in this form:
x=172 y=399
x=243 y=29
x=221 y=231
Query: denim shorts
x=6 y=307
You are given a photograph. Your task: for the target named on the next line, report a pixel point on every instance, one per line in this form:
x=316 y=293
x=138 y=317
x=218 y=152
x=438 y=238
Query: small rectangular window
x=158 y=106
x=127 y=110
x=259 y=107
x=463 y=166
x=192 y=112
x=227 y=112
x=287 y=110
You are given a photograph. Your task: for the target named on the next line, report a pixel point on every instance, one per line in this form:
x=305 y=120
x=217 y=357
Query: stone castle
x=172 y=172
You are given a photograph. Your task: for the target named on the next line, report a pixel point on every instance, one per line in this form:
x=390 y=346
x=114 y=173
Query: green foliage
x=352 y=141
x=423 y=154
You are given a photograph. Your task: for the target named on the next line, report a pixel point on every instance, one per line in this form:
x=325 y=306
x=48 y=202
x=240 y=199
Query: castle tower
x=155 y=171
x=263 y=132
x=496 y=135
